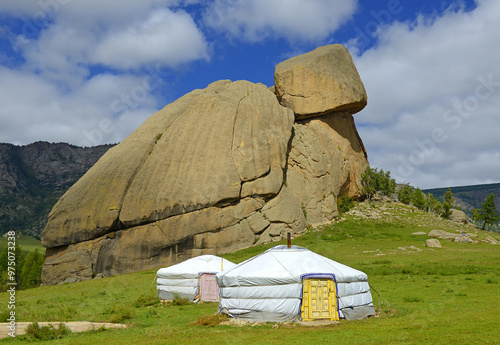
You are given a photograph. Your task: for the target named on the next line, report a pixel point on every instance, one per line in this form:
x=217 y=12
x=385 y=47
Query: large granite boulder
x=326 y=160
x=218 y=170
x=320 y=82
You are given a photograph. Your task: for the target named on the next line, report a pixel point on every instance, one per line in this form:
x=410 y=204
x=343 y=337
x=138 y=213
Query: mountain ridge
x=34 y=176
x=469 y=197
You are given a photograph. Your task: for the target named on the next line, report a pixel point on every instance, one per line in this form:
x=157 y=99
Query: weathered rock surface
x=433 y=243
x=326 y=161
x=441 y=234
x=218 y=170
x=491 y=240
x=458 y=216
x=320 y=82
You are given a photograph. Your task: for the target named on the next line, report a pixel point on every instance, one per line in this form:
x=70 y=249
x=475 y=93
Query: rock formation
x=458 y=216
x=219 y=169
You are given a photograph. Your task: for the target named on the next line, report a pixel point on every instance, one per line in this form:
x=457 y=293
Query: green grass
x=427 y=296
x=27 y=243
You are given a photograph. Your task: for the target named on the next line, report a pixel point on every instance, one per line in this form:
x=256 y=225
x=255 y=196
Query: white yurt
x=293 y=283
x=193 y=278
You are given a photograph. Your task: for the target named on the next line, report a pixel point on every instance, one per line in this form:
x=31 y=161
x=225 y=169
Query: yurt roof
x=283 y=265
x=191 y=268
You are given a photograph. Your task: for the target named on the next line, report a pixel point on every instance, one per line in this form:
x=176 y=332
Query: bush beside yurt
x=192 y=279
x=293 y=283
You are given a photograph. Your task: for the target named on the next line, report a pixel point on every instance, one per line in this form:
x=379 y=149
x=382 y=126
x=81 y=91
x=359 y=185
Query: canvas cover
x=268 y=287
x=183 y=279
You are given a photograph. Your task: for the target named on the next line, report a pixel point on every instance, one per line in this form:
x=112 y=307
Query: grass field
x=27 y=243
x=437 y=296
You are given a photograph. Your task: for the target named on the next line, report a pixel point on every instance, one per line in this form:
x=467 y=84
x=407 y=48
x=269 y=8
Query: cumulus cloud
x=64 y=90
x=165 y=37
x=35 y=108
x=433 y=92
x=295 y=20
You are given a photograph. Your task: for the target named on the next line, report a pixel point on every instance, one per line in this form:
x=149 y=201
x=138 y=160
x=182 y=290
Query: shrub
x=4 y=315
x=35 y=332
x=177 y=300
x=374 y=181
x=344 y=204
x=146 y=301
x=118 y=314
x=412 y=299
x=211 y=320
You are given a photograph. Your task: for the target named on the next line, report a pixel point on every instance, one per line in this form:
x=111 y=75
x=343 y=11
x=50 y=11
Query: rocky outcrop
x=326 y=160
x=441 y=234
x=219 y=169
x=320 y=82
x=458 y=216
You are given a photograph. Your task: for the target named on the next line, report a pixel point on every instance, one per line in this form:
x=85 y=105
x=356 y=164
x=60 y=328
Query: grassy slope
x=27 y=244
x=437 y=296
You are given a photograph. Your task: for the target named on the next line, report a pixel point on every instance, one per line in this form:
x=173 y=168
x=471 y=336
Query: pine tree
x=432 y=204
x=405 y=193
x=418 y=199
x=369 y=182
x=487 y=213
x=447 y=204
x=32 y=270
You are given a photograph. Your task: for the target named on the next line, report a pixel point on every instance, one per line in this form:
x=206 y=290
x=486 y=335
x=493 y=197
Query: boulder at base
x=218 y=170
x=432 y=243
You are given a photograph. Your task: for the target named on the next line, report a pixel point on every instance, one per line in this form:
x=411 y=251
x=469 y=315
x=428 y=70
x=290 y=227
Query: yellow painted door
x=319 y=300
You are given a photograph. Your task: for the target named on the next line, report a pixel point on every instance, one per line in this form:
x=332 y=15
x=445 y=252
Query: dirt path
x=74 y=326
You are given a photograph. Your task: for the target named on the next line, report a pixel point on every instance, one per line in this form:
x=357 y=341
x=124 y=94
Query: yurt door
x=319 y=299
x=209 y=288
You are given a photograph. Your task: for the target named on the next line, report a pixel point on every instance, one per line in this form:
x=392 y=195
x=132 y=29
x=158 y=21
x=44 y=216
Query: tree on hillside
x=4 y=264
x=447 y=204
x=487 y=213
x=432 y=204
x=373 y=180
x=418 y=198
x=32 y=270
x=405 y=193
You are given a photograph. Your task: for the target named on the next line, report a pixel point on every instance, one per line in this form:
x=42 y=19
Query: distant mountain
x=34 y=177
x=469 y=197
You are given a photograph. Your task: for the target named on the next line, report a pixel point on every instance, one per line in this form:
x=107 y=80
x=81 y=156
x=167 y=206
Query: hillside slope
x=427 y=295
x=34 y=177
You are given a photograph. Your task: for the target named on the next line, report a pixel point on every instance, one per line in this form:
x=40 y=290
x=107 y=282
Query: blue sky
x=90 y=72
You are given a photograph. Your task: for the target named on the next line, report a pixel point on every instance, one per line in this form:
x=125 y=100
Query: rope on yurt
x=379 y=296
x=149 y=289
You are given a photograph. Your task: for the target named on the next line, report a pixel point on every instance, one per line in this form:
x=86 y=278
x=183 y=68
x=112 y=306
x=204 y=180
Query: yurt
x=293 y=283
x=192 y=279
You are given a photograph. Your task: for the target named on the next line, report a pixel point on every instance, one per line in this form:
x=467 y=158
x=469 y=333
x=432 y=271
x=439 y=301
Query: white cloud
x=59 y=94
x=434 y=92
x=35 y=108
x=165 y=37
x=295 y=20
x=116 y=34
